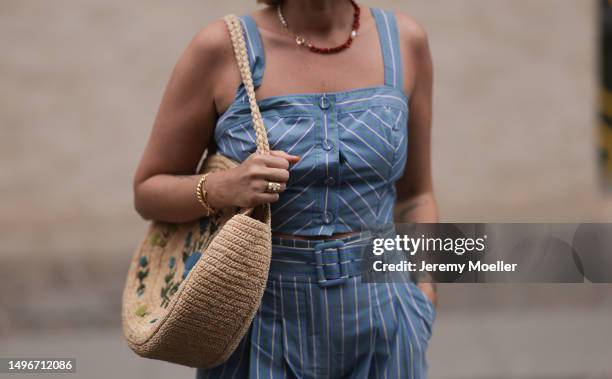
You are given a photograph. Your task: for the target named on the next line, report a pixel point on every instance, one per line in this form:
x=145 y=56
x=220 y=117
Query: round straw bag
x=193 y=289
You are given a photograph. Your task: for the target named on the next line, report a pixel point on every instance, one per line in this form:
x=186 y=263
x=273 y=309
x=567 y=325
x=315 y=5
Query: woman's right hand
x=245 y=186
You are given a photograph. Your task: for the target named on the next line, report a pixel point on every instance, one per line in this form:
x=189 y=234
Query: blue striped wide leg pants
x=318 y=320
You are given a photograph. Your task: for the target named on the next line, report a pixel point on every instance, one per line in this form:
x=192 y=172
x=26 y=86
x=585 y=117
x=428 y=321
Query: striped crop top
x=353 y=144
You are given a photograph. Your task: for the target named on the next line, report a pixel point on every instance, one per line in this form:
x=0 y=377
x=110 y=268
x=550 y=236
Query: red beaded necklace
x=301 y=41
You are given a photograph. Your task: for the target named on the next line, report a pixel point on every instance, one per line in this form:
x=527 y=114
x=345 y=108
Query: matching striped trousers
x=318 y=320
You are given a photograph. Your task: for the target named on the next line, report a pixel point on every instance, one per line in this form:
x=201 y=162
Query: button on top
x=328 y=145
x=328 y=217
x=324 y=102
x=397 y=125
x=330 y=181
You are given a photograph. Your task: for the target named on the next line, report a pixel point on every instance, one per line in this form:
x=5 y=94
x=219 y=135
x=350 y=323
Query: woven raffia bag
x=193 y=289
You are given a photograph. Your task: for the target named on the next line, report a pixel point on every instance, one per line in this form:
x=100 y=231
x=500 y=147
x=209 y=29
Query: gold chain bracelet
x=201 y=196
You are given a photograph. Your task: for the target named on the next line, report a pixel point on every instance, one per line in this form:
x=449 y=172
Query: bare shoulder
x=211 y=45
x=412 y=33
x=208 y=66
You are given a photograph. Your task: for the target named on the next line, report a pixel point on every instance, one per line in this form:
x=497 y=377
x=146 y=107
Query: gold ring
x=273 y=187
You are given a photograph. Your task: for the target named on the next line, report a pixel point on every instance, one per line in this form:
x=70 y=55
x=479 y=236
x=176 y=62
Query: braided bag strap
x=240 y=51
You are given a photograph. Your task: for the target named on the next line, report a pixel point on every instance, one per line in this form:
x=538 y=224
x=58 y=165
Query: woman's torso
x=353 y=143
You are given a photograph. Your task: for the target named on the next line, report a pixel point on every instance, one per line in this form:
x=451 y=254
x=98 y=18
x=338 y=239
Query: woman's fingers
x=263 y=169
x=272 y=174
x=262 y=186
x=275 y=175
x=276 y=159
x=270 y=168
x=292 y=159
x=272 y=161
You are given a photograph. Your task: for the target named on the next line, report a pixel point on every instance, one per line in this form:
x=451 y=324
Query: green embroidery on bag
x=143 y=272
x=187 y=246
x=203 y=225
x=196 y=239
x=162 y=234
x=141 y=311
x=171 y=286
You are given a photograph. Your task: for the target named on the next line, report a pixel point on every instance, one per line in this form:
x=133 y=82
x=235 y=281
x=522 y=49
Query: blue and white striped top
x=353 y=144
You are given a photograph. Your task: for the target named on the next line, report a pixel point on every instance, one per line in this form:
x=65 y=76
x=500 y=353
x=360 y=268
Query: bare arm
x=164 y=183
x=416 y=202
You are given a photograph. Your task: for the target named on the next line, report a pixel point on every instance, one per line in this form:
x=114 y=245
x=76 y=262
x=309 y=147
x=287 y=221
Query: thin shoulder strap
x=240 y=51
x=389 y=43
x=255 y=48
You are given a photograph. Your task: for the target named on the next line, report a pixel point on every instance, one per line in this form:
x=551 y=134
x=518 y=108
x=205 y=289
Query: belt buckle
x=321 y=278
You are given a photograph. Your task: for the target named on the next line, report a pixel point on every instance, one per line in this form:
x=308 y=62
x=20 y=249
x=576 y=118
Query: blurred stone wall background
x=514 y=140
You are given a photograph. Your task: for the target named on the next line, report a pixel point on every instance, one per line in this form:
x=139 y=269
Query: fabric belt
x=327 y=262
